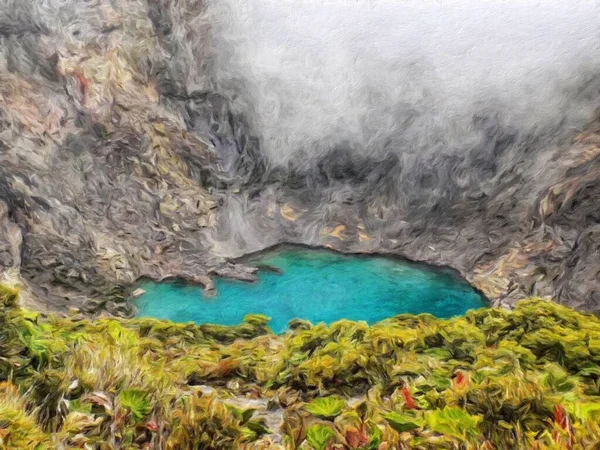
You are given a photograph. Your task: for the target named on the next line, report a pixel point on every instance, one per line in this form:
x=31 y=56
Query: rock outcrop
x=105 y=182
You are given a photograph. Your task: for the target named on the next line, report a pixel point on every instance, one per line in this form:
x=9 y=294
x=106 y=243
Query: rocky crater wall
x=160 y=138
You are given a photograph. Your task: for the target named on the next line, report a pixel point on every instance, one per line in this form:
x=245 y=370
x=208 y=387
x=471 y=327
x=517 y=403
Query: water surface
x=317 y=285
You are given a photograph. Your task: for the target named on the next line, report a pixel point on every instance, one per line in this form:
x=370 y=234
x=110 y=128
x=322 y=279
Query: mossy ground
x=493 y=379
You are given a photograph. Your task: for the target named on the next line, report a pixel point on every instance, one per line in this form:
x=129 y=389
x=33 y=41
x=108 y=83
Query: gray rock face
x=121 y=157
x=106 y=181
x=513 y=236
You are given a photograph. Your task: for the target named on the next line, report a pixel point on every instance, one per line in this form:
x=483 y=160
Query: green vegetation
x=493 y=379
x=326 y=407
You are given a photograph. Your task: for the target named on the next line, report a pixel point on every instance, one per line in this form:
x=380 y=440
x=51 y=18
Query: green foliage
x=326 y=407
x=18 y=429
x=204 y=423
x=528 y=378
x=135 y=401
x=243 y=415
x=319 y=435
x=258 y=427
x=401 y=422
x=8 y=296
x=454 y=422
x=259 y=320
x=251 y=429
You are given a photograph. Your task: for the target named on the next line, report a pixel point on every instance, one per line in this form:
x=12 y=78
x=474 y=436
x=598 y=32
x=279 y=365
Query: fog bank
x=405 y=77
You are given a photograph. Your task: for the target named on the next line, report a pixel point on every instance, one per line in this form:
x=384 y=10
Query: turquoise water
x=316 y=285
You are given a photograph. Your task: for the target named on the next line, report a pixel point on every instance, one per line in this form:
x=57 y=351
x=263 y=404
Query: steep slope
x=124 y=153
x=100 y=181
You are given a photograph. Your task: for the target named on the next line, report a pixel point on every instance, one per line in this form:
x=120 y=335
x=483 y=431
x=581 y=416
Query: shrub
x=528 y=378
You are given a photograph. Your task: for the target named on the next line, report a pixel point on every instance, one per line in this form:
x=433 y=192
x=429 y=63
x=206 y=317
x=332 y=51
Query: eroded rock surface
x=105 y=181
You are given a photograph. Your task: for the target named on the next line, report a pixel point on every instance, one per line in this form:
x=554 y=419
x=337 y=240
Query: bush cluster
x=493 y=379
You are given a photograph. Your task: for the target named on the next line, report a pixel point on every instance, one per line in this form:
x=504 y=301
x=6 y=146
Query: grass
x=494 y=379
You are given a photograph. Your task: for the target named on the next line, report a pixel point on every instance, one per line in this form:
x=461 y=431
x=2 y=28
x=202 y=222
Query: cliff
x=122 y=155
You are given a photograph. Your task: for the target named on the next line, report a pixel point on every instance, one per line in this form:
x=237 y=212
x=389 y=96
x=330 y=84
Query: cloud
x=409 y=77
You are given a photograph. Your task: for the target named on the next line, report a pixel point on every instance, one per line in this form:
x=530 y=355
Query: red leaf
x=356 y=438
x=555 y=436
x=461 y=380
x=409 y=401
x=560 y=416
x=562 y=420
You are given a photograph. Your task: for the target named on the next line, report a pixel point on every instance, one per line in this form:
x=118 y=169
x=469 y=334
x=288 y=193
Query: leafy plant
x=258 y=427
x=18 y=429
x=8 y=296
x=135 y=401
x=252 y=429
x=454 y=422
x=401 y=422
x=243 y=415
x=326 y=407
x=319 y=435
x=533 y=373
